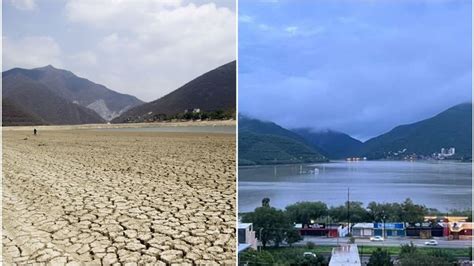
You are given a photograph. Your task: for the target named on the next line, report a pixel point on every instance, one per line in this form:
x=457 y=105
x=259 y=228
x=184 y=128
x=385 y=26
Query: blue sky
x=361 y=67
x=146 y=48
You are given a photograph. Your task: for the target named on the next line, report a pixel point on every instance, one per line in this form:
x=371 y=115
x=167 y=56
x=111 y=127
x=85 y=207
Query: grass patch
x=288 y=252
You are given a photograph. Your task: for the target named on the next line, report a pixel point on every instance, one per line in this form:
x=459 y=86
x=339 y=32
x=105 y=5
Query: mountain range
x=58 y=96
x=333 y=144
x=214 y=91
x=450 y=128
x=268 y=143
x=48 y=95
x=261 y=142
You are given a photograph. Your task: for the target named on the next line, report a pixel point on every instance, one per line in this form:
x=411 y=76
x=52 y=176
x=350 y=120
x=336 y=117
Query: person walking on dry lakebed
x=88 y=197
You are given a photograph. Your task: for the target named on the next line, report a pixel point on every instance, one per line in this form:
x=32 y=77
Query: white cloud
x=24 y=4
x=84 y=58
x=246 y=19
x=263 y=27
x=30 y=52
x=304 y=32
x=152 y=47
x=291 y=29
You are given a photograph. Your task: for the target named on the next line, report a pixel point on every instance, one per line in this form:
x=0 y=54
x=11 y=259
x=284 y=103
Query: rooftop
x=244 y=225
x=345 y=255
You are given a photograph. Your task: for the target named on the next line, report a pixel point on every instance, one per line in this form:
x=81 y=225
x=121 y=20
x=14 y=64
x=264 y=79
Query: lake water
x=178 y=129
x=437 y=184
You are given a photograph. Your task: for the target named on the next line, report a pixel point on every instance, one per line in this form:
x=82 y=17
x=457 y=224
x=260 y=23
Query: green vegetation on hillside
x=211 y=94
x=271 y=149
x=451 y=128
x=333 y=144
x=267 y=143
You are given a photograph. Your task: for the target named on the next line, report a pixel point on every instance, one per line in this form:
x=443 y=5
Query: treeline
x=411 y=255
x=188 y=116
x=277 y=226
x=407 y=255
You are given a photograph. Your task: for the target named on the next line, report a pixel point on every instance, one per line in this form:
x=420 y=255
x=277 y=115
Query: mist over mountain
x=334 y=144
x=267 y=143
x=260 y=141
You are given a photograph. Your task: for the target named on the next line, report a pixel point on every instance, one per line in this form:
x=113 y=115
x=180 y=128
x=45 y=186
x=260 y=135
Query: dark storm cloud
x=361 y=67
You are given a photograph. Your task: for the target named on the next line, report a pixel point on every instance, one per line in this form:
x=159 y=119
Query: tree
x=253 y=257
x=410 y=256
x=310 y=261
x=380 y=257
x=407 y=249
x=388 y=212
x=413 y=213
x=357 y=213
x=265 y=202
x=292 y=236
x=304 y=212
x=419 y=259
x=442 y=254
x=270 y=224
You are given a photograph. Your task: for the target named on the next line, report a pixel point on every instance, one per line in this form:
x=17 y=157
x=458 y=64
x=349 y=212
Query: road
x=390 y=242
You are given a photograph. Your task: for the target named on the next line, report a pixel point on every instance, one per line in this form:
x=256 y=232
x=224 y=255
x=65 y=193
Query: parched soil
x=82 y=197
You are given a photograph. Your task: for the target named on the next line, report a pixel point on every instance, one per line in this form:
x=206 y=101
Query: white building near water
x=345 y=255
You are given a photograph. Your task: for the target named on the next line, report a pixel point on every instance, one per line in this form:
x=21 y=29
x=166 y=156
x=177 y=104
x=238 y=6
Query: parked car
x=309 y=254
x=376 y=238
x=432 y=242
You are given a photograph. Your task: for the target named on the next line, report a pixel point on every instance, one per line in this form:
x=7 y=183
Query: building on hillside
x=363 y=230
x=246 y=236
x=460 y=230
x=389 y=229
x=345 y=255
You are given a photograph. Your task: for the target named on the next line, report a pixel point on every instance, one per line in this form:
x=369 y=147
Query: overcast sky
x=361 y=67
x=146 y=48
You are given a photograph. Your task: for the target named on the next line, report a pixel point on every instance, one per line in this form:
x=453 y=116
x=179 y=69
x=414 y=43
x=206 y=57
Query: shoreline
x=342 y=160
x=124 y=125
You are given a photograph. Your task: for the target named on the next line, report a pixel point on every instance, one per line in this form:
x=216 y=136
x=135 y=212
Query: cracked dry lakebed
x=86 y=197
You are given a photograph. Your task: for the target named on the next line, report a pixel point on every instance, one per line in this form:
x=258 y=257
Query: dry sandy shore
x=84 y=197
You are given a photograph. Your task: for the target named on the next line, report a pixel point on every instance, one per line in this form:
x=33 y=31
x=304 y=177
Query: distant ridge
x=450 y=128
x=13 y=115
x=333 y=144
x=212 y=91
x=66 y=85
x=260 y=141
x=36 y=100
x=268 y=143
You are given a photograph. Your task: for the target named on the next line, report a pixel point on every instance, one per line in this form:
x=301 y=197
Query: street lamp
x=384 y=217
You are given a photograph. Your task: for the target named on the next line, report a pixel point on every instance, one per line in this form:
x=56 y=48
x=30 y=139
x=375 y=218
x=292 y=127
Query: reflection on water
x=178 y=129
x=441 y=185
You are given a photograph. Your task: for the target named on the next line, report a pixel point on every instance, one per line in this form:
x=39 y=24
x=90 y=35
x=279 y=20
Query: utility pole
x=348 y=212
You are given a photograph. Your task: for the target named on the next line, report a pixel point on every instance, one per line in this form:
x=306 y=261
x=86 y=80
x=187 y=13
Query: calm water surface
x=441 y=185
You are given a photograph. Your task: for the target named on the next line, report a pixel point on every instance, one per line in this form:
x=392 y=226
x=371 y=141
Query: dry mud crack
x=80 y=197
